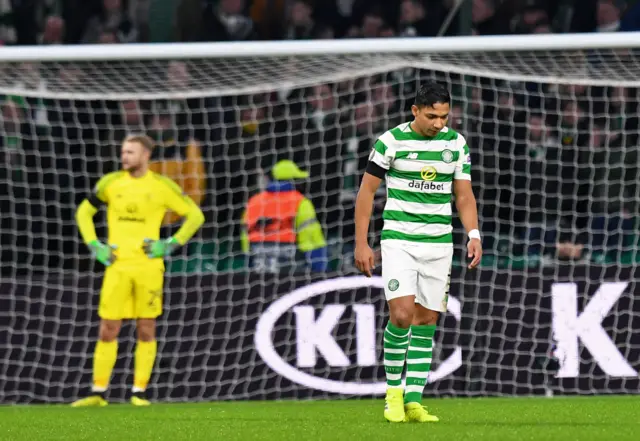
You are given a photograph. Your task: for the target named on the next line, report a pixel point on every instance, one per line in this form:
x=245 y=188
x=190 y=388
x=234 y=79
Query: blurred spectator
x=209 y=20
x=533 y=18
x=489 y=19
x=108 y=37
x=30 y=78
x=111 y=18
x=565 y=183
x=322 y=106
x=140 y=12
x=372 y=25
x=540 y=137
x=300 y=24
x=456 y=117
x=269 y=17
x=356 y=148
x=14 y=183
x=175 y=156
x=238 y=159
x=324 y=32
x=607 y=17
x=21 y=21
x=507 y=116
x=387 y=32
x=542 y=28
x=178 y=77
x=53 y=32
x=132 y=118
x=386 y=103
x=130 y=121
x=334 y=14
x=614 y=204
x=346 y=16
x=197 y=115
x=318 y=150
x=127 y=119
x=569 y=250
x=416 y=20
x=280 y=228
x=12 y=127
x=596 y=16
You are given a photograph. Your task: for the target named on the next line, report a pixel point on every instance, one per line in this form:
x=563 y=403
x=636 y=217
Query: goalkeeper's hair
x=146 y=141
x=430 y=93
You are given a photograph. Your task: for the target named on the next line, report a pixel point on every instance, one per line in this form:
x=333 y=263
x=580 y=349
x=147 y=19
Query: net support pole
x=465 y=23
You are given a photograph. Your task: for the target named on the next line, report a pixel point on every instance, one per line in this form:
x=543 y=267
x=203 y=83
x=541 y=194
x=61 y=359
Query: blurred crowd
x=555 y=166
x=29 y=22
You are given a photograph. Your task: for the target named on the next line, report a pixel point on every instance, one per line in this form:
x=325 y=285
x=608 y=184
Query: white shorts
x=423 y=270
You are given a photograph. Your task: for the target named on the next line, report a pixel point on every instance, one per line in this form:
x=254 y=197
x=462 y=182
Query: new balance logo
x=412 y=156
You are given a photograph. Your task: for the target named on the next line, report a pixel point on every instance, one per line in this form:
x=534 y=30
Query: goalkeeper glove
x=159 y=248
x=102 y=253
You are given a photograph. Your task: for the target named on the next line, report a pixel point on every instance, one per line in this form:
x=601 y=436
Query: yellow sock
x=104 y=358
x=144 y=360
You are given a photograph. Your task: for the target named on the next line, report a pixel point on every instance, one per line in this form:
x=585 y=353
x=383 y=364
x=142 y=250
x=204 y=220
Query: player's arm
x=466 y=204
x=310 y=237
x=84 y=218
x=179 y=203
x=379 y=162
x=193 y=220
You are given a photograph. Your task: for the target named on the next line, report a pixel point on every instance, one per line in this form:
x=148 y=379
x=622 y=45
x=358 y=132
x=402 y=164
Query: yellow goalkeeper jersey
x=135 y=210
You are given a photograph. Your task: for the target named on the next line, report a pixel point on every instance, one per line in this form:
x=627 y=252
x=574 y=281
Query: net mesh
x=151 y=79
x=554 y=144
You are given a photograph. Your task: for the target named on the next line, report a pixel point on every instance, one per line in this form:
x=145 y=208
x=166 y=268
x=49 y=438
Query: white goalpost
x=553 y=125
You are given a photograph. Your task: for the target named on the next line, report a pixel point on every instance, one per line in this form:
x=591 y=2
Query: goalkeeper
x=136 y=200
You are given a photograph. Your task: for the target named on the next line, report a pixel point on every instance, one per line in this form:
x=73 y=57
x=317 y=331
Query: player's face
x=134 y=156
x=429 y=120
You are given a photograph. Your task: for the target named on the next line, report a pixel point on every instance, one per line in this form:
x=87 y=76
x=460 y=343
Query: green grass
x=614 y=418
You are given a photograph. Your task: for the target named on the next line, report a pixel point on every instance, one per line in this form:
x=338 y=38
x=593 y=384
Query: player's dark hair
x=146 y=141
x=430 y=93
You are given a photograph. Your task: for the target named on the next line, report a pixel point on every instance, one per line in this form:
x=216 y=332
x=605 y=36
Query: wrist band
x=474 y=234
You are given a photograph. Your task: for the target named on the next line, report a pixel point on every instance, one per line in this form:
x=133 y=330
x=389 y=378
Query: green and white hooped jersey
x=419 y=178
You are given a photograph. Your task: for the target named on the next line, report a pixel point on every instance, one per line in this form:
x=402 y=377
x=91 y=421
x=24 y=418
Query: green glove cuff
x=156 y=249
x=101 y=252
x=170 y=245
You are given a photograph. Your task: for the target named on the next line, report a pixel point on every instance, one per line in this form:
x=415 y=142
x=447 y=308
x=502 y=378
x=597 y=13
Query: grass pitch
x=615 y=418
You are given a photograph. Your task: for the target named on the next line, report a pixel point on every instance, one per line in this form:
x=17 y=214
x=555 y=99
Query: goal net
x=552 y=124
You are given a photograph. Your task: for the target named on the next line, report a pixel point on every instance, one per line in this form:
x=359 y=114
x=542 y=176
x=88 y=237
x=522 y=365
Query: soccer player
x=136 y=200
x=423 y=162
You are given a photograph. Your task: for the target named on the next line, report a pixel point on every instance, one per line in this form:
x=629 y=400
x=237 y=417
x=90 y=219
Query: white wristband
x=474 y=234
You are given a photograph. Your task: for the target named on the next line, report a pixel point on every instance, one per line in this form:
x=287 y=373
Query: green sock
x=396 y=341
x=418 y=361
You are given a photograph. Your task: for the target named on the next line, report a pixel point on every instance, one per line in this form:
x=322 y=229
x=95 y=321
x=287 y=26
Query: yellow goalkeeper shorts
x=132 y=291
